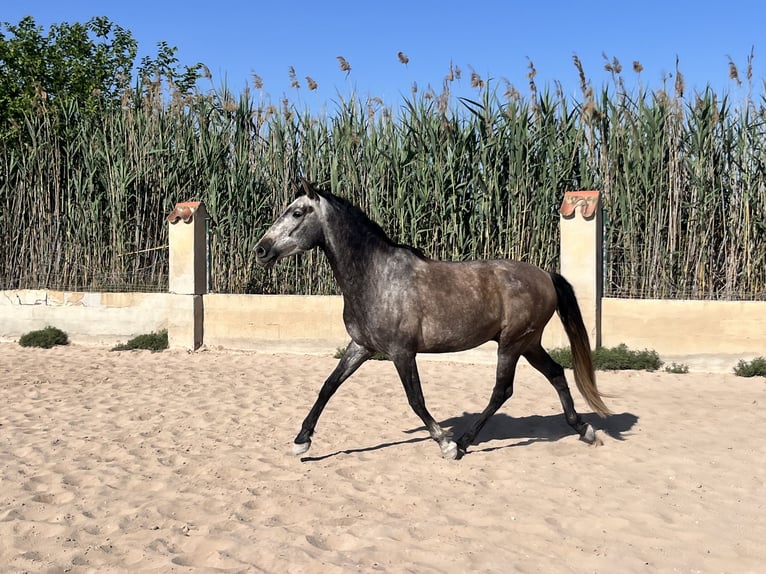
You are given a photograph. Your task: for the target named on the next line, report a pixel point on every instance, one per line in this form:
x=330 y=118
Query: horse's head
x=298 y=229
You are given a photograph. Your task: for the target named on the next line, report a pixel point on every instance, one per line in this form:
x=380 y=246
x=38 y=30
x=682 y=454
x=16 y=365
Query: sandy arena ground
x=179 y=462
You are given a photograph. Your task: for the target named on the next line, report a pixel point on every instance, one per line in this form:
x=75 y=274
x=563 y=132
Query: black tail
x=582 y=360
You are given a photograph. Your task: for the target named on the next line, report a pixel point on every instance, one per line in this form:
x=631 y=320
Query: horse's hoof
x=300 y=447
x=449 y=450
x=588 y=435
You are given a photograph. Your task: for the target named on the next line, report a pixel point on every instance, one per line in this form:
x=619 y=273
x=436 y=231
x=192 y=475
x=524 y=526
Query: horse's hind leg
x=542 y=361
x=408 y=373
x=352 y=358
x=502 y=391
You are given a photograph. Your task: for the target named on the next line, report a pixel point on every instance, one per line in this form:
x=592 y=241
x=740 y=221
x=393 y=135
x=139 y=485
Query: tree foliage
x=82 y=62
x=90 y=64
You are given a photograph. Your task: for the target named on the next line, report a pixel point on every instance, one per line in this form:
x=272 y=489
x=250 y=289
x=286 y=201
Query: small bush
x=44 y=338
x=613 y=359
x=376 y=357
x=149 y=342
x=562 y=355
x=754 y=368
x=677 y=368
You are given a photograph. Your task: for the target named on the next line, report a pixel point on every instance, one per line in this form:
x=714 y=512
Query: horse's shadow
x=533 y=428
x=501 y=427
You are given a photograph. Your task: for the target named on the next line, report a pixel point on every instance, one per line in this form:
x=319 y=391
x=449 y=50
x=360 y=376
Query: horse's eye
x=298 y=213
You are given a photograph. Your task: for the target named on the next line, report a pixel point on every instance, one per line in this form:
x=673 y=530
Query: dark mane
x=363 y=220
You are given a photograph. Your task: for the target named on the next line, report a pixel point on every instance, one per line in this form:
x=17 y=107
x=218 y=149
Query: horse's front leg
x=352 y=358
x=408 y=373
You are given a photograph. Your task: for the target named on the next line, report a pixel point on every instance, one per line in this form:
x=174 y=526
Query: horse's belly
x=456 y=335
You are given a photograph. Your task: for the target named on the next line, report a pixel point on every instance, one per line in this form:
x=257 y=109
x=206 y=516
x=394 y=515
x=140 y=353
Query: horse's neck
x=352 y=251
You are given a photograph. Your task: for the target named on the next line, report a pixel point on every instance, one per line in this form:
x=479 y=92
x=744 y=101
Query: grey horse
x=399 y=302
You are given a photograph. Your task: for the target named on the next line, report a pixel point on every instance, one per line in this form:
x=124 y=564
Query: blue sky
x=496 y=39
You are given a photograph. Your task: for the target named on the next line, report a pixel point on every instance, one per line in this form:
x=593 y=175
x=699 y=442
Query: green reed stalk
x=83 y=196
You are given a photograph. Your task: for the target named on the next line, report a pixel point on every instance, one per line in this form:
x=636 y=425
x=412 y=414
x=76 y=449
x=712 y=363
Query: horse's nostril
x=263 y=253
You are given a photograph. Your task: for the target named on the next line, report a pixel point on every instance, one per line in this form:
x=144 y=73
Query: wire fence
x=624 y=279
x=148 y=279
x=620 y=280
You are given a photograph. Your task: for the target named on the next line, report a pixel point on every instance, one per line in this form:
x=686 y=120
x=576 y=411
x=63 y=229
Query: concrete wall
x=100 y=318
x=707 y=335
x=304 y=324
x=713 y=335
x=274 y=321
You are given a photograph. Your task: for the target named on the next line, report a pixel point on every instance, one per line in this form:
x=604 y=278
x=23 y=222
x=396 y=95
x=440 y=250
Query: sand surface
x=178 y=462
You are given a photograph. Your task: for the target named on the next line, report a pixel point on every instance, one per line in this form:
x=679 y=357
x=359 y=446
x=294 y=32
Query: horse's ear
x=308 y=188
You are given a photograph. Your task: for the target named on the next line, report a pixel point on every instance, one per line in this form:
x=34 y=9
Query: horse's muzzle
x=264 y=253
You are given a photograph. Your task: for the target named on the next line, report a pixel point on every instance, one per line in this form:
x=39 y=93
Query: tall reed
x=83 y=196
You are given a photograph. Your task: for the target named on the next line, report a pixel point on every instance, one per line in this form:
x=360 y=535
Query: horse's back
x=507 y=277
x=464 y=304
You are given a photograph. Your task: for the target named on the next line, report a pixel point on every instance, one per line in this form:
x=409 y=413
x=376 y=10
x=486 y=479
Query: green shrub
x=754 y=368
x=677 y=368
x=149 y=342
x=44 y=338
x=562 y=355
x=376 y=357
x=613 y=359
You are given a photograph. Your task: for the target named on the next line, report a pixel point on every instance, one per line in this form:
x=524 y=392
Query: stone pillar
x=188 y=274
x=581 y=255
